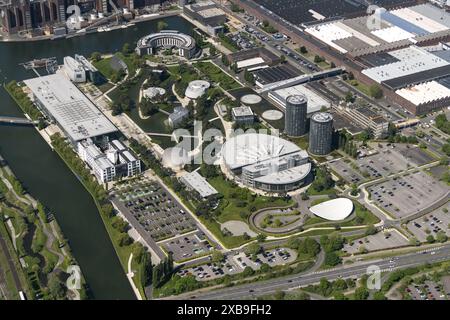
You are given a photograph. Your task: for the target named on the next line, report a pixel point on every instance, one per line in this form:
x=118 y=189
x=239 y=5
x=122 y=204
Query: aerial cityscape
x=225 y=150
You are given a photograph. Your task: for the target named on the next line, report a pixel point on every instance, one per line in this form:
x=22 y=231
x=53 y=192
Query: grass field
x=216 y=74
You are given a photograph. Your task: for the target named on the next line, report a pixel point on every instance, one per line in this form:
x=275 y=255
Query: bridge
x=17 y=121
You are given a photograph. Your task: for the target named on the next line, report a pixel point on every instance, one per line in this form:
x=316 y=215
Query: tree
x=332 y=259
x=361 y=293
x=253 y=249
x=370 y=230
x=161 y=25
x=55 y=286
x=441 y=237
x=126 y=49
x=303 y=50
x=96 y=56
x=279 y=295
x=349 y=98
x=375 y=91
x=430 y=239
x=217 y=256
x=248 y=76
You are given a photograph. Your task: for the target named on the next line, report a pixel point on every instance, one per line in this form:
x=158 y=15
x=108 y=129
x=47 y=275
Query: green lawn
x=238 y=203
x=216 y=74
x=362 y=217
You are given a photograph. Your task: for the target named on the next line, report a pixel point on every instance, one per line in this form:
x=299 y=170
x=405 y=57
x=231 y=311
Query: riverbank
x=130 y=23
x=37 y=240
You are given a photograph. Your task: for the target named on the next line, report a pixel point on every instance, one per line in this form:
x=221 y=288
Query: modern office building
x=295 y=115
x=74 y=70
x=69 y=108
x=114 y=162
x=185 y=44
x=194 y=181
x=321 y=134
x=92 y=74
x=266 y=162
x=243 y=115
x=365 y=118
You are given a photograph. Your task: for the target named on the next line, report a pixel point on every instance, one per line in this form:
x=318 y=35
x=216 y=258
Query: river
x=46 y=176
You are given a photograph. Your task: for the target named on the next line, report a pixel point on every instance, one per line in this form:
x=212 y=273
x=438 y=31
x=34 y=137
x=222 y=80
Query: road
x=295 y=281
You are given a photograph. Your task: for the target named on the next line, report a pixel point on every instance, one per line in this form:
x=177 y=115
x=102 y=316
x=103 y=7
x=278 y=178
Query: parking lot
x=382 y=240
x=236 y=263
x=151 y=210
x=409 y=194
x=187 y=246
x=430 y=290
x=432 y=223
x=386 y=159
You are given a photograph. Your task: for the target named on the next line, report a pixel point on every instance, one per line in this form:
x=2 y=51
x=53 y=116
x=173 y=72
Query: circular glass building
x=295 y=116
x=321 y=133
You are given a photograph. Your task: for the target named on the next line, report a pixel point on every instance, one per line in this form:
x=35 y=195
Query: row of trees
x=162 y=272
x=24 y=102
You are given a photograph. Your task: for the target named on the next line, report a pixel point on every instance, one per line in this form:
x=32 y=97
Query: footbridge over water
x=17 y=121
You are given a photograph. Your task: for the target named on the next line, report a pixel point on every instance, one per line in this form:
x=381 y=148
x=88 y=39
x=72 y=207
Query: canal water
x=46 y=176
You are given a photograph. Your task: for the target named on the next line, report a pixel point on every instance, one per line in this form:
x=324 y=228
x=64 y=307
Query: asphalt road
x=351 y=271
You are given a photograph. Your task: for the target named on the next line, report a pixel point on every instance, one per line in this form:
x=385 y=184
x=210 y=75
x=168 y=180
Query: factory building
x=295 y=116
x=321 y=134
x=208 y=14
x=253 y=59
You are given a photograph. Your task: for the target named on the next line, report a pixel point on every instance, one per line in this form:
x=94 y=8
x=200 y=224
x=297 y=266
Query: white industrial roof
x=315 y=101
x=250 y=148
x=195 y=181
x=249 y=62
x=73 y=111
x=424 y=93
x=392 y=34
x=334 y=210
x=328 y=33
x=419 y=20
x=413 y=60
x=196 y=89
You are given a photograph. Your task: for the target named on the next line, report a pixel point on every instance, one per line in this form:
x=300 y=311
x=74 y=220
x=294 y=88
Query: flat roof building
x=206 y=12
x=365 y=118
x=195 y=181
x=243 y=115
x=64 y=103
x=315 y=101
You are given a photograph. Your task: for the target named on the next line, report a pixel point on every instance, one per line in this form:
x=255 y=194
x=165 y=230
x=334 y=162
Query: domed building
x=196 y=89
x=266 y=162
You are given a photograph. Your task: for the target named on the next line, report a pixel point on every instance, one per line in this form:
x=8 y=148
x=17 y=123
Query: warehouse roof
x=72 y=110
x=425 y=93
